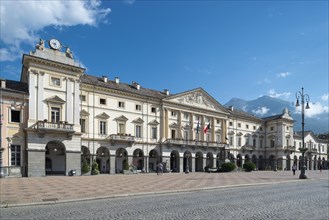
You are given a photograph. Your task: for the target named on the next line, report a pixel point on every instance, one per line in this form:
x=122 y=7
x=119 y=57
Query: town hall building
x=58 y=116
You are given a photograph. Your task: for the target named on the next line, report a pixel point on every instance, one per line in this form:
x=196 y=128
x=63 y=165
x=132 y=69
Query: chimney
x=135 y=85
x=104 y=78
x=3 y=83
x=117 y=80
x=166 y=91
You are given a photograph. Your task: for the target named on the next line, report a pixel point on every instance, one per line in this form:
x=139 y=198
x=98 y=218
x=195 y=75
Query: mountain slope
x=266 y=106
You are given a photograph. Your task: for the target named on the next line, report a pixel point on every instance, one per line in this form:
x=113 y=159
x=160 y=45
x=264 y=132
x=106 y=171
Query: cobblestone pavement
x=56 y=189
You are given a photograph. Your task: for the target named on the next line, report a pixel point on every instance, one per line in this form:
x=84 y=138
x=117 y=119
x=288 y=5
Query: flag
x=206 y=128
x=197 y=128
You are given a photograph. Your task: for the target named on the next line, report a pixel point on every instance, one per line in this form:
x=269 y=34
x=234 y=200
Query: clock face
x=55 y=44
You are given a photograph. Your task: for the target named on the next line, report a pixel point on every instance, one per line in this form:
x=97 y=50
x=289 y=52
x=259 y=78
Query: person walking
x=294 y=168
x=159 y=168
x=320 y=167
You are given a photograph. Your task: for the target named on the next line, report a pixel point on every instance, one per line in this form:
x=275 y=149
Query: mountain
x=266 y=106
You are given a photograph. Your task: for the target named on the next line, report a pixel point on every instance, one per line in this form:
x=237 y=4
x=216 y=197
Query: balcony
x=54 y=127
x=193 y=143
x=248 y=147
x=122 y=138
x=289 y=149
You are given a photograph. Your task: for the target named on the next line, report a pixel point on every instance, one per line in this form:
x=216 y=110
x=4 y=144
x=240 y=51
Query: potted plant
x=249 y=166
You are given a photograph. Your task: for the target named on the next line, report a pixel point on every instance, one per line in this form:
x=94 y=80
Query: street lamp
x=303 y=97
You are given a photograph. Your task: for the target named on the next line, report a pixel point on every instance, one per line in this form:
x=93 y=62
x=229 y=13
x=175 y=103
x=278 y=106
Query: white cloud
x=22 y=20
x=129 y=2
x=266 y=80
x=283 y=74
x=314 y=110
x=325 y=97
x=260 y=111
x=274 y=94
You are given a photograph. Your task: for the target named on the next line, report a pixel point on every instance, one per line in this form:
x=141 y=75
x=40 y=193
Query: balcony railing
x=193 y=143
x=248 y=147
x=54 y=127
x=289 y=148
x=121 y=138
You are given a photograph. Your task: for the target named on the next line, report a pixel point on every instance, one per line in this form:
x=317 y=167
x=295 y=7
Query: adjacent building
x=57 y=116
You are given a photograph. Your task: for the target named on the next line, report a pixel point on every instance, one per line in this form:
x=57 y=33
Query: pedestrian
x=159 y=168
x=294 y=168
x=320 y=168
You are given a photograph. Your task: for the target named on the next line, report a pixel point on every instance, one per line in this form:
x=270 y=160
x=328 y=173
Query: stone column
x=73 y=162
x=69 y=101
x=193 y=164
x=181 y=164
x=40 y=98
x=112 y=164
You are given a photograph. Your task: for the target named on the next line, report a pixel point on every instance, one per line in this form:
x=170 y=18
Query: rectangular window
x=208 y=137
x=121 y=105
x=231 y=140
x=272 y=143
x=272 y=128
x=186 y=135
x=239 y=125
x=186 y=116
x=154 y=133
x=247 y=126
x=138 y=132
x=55 y=81
x=254 y=127
x=138 y=108
x=218 y=138
x=239 y=141
x=122 y=129
x=173 y=113
x=261 y=128
x=173 y=133
x=83 y=125
x=153 y=110
x=231 y=123
x=15 y=116
x=287 y=142
x=83 y=98
x=218 y=121
x=261 y=143
x=254 y=142
x=55 y=114
x=102 y=101
x=102 y=127
x=15 y=155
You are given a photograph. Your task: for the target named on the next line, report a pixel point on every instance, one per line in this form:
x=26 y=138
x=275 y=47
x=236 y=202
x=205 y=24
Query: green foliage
x=249 y=166
x=227 y=167
x=94 y=168
x=85 y=166
x=125 y=165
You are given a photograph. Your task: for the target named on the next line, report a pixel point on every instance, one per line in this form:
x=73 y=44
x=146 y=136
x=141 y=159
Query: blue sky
x=242 y=49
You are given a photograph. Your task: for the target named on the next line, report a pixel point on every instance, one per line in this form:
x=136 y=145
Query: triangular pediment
x=154 y=122
x=197 y=98
x=84 y=113
x=138 y=121
x=55 y=99
x=173 y=125
x=121 y=118
x=103 y=116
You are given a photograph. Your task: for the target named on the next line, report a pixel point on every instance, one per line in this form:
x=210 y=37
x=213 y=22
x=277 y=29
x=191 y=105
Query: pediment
x=121 y=118
x=154 y=122
x=103 y=116
x=138 y=121
x=55 y=99
x=84 y=113
x=197 y=98
x=173 y=125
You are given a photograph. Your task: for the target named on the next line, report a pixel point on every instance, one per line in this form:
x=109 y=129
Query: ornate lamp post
x=303 y=97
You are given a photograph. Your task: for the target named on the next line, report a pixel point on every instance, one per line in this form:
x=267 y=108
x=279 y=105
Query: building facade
x=69 y=116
